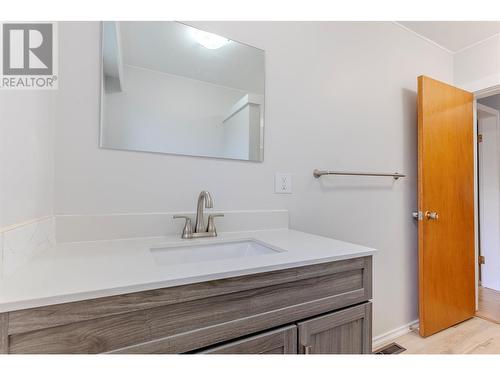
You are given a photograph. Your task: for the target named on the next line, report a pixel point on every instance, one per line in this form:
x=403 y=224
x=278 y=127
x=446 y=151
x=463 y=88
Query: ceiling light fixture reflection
x=209 y=40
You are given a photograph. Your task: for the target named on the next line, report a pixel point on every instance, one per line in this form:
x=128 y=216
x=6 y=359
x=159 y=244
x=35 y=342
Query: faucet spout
x=204 y=199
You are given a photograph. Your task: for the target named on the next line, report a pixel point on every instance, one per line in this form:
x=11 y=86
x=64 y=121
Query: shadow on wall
x=409 y=151
x=409 y=147
x=409 y=142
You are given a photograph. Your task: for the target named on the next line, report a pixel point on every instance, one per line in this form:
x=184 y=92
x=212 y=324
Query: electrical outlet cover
x=283 y=183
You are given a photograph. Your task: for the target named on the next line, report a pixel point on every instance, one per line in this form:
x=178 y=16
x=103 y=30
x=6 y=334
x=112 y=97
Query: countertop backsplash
x=22 y=242
x=75 y=228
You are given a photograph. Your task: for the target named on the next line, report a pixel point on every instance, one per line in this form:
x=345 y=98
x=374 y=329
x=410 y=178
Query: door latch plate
x=418 y=215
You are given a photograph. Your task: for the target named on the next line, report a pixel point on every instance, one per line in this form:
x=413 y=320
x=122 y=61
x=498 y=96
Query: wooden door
x=346 y=331
x=279 y=341
x=446 y=205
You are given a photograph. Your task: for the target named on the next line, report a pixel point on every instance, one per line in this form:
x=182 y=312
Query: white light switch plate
x=283 y=183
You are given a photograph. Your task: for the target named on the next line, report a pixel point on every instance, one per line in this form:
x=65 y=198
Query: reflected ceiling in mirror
x=171 y=88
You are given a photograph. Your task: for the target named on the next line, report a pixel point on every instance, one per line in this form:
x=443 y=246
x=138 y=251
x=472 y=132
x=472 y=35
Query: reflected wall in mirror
x=171 y=88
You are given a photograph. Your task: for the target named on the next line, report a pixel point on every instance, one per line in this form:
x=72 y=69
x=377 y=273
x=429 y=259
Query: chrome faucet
x=200 y=230
x=203 y=199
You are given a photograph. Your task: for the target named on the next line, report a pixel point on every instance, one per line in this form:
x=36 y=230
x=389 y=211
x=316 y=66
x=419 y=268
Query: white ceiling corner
x=454 y=36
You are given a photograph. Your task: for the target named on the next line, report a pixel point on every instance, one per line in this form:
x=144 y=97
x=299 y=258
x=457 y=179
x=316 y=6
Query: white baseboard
x=390 y=336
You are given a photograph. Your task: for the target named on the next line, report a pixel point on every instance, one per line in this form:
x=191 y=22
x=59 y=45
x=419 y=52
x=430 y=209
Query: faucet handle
x=211 y=223
x=187 y=232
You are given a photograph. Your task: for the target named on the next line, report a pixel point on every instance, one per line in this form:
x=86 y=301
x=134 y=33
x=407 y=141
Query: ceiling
x=454 y=35
x=169 y=47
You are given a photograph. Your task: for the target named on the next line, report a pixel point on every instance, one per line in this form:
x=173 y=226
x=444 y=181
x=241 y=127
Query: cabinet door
x=346 y=331
x=279 y=341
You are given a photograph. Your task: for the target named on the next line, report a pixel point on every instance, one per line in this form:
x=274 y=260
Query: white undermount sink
x=171 y=255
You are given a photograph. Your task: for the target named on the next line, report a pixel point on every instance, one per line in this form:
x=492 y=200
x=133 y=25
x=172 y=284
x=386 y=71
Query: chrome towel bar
x=318 y=173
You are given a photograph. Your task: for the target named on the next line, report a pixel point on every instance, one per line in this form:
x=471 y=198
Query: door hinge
x=481 y=259
x=479 y=138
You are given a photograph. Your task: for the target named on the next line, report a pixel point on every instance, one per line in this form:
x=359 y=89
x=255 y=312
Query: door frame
x=478 y=94
x=495 y=113
x=483 y=93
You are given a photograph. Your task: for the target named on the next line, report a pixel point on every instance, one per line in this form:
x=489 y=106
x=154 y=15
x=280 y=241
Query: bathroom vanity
x=311 y=295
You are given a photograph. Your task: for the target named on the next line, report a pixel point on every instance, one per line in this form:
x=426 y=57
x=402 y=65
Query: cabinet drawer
x=347 y=331
x=279 y=341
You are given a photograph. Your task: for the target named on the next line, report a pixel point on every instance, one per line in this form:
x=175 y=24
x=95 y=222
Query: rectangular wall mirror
x=171 y=88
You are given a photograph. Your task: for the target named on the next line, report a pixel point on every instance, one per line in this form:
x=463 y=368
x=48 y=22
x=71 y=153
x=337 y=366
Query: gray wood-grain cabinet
x=347 y=331
x=202 y=316
x=278 y=341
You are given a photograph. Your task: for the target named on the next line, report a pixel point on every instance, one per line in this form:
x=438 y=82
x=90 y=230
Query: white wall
x=478 y=67
x=338 y=95
x=26 y=155
x=26 y=175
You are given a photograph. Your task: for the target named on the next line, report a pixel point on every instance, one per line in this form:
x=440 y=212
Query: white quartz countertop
x=83 y=270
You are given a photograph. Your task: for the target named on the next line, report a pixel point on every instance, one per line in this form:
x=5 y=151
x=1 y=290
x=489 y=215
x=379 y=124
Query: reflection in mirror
x=171 y=88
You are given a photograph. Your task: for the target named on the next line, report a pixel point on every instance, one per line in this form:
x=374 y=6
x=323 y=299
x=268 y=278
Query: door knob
x=431 y=215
